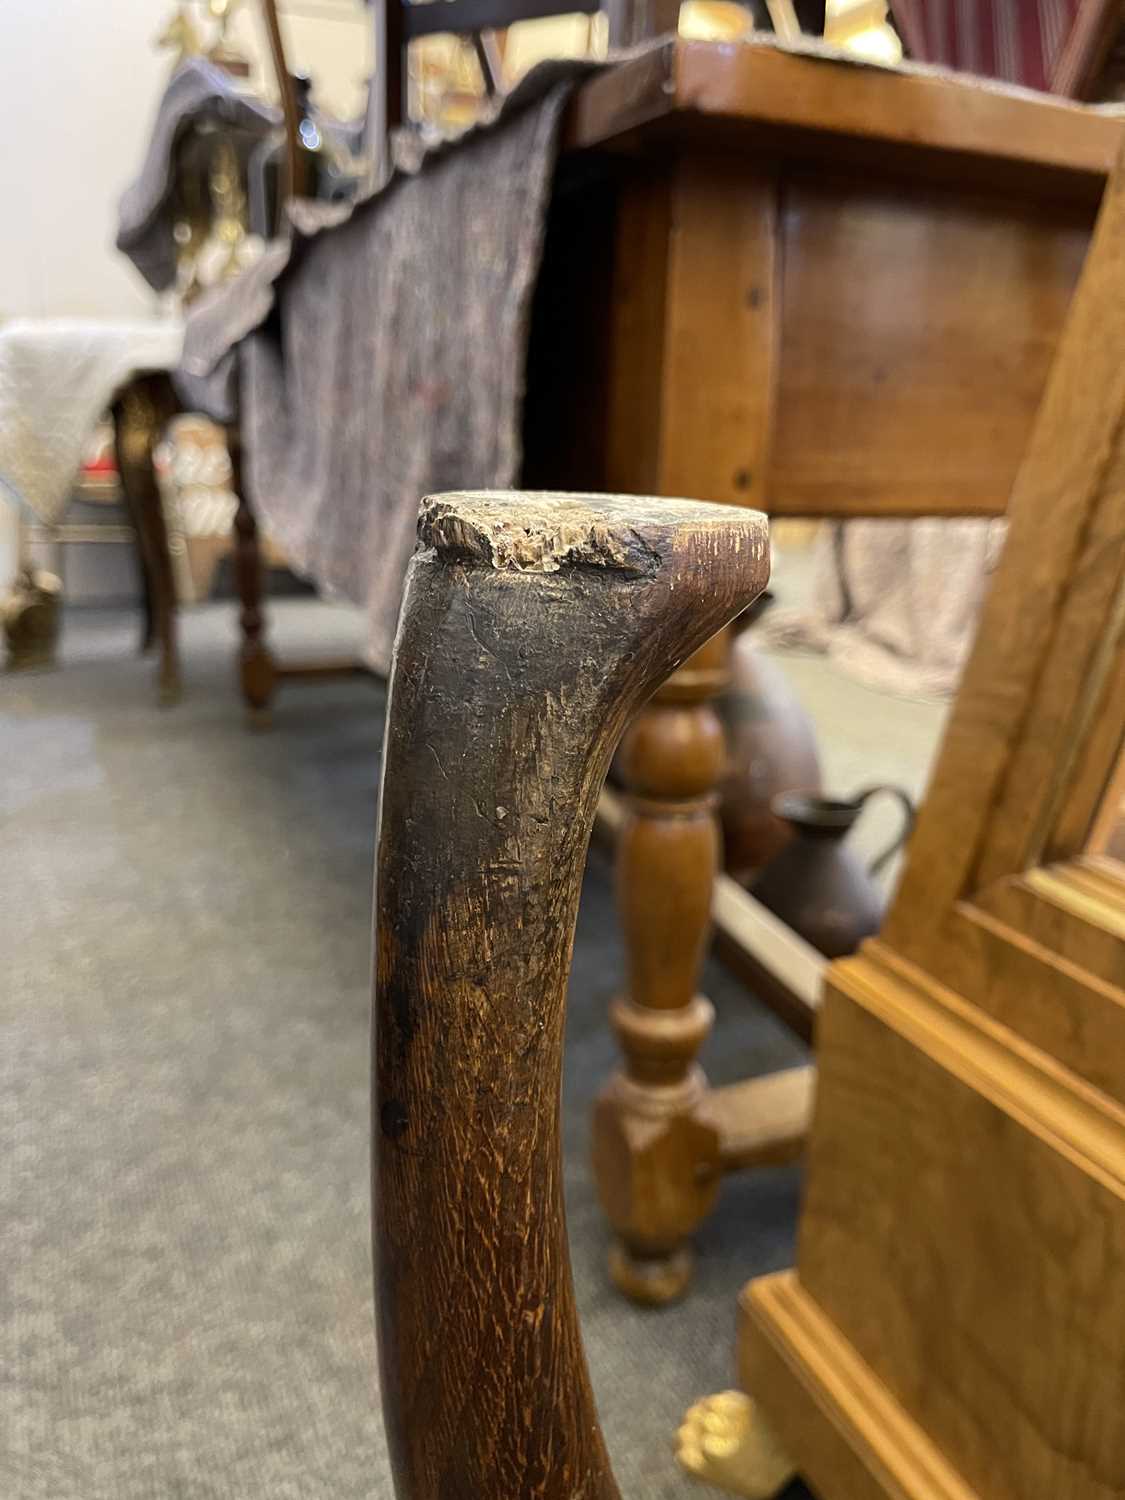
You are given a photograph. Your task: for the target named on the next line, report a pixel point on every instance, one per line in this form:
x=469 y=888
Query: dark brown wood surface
x=937 y=127
x=141 y=413
x=257 y=670
x=815 y=288
x=918 y=325
x=294 y=163
x=533 y=627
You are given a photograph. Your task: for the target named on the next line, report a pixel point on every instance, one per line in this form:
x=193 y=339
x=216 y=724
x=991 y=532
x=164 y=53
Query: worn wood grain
x=532 y=627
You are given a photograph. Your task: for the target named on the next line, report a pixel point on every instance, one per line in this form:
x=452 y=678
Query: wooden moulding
x=870 y=1449
x=532 y=628
x=955 y=1329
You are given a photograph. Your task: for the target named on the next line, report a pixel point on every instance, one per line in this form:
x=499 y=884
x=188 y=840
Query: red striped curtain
x=1020 y=41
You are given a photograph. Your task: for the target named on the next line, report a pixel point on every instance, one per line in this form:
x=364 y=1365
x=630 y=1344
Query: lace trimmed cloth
x=57 y=377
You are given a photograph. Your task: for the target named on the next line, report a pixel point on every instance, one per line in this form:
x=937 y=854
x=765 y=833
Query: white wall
x=79 y=84
x=79 y=81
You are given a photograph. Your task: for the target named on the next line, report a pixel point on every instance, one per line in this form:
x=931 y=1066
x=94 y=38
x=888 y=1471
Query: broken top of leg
x=533 y=626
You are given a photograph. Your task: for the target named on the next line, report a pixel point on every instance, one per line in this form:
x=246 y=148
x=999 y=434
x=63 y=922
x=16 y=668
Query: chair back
x=295 y=167
x=1060 y=46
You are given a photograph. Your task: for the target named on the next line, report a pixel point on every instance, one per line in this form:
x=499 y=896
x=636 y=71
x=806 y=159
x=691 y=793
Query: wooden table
x=821 y=289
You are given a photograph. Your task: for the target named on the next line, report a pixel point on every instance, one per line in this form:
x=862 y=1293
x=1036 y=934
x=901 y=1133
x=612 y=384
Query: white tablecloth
x=57 y=377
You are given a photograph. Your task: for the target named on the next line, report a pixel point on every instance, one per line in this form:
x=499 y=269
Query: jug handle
x=908 y=819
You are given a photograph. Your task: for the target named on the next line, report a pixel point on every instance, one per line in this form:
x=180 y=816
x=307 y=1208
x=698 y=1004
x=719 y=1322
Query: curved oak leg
x=725 y=1441
x=656 y=1151
x=141 y=412
x=257 y=670
x=532 y=628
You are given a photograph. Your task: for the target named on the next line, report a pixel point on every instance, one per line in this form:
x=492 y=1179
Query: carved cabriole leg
x=656 y=1149
x=140 y=414
x=256 y=667
x=532 y=629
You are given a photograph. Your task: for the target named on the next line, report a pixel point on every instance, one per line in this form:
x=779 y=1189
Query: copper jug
x=816 y=885
x=772 y=749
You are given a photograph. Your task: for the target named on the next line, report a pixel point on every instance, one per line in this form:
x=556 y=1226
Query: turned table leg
x=657 y=1150
x=257 y=671
x=498 y=739
x=140 y=414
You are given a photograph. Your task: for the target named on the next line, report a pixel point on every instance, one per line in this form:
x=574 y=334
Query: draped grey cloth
x=381 y=352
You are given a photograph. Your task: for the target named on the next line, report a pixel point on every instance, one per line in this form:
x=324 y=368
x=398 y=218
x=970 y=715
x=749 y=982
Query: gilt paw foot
x=724 y=1440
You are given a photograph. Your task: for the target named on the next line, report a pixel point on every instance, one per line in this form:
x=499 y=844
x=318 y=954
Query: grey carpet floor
x=185 y=1305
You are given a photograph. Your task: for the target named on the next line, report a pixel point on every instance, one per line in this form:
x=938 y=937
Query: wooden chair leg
x=257 y=670
x=148 y=591
x=140 y=415
x=657 y=1148
x=532 y=628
